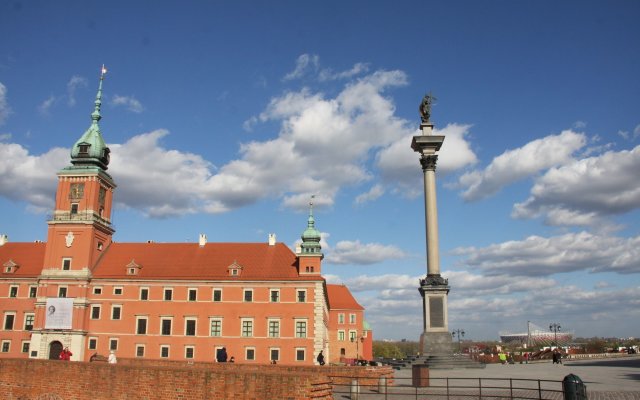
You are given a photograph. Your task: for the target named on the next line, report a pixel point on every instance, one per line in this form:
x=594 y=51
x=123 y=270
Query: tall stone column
x=434 y=289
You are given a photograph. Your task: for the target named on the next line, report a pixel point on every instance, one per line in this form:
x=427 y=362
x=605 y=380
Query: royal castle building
x=177 y=301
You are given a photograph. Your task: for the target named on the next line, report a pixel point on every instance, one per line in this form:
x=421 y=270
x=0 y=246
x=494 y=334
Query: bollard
x=355 y=389
x=574 y=388
x=382 y=385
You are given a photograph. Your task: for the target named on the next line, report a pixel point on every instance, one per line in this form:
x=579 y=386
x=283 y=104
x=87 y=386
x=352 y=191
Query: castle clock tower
x=79 y=233
x=80 y=229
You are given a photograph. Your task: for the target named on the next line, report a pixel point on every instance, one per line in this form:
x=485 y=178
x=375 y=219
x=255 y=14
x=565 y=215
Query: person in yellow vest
x=503 y=358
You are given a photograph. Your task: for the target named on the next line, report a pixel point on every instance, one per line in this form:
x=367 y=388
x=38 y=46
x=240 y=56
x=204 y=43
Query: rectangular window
x=189 y=352
x=141 y=325
x=193 y=294
x=74 y=208
x=6 y=346
x=117 y=290
x=93 y=343
x=274 y=328
x=300 y=353
x=66 y=264
x=275 y=296
x=113 y=344
x=8 y=321
x=352 y=318
x=144 y=294
x=25 y=347
x=341 y=336
x=247 y=328
x=301 y=329
x=217 y=294
x=302 y=296
x=139 y=350
x=62 y=291
x=28 y=321
x=116 y=312
x=95 y=312
x=165 y=326
x=164 y=351
x=248 y=295
x=190 y=327
x=97 y=290
x=274 y=355
x=250 y=354
x=168 y=294
x=352 y=336
x=216 y=327
x=341 y=318
x=33 y=291
x=13 y=291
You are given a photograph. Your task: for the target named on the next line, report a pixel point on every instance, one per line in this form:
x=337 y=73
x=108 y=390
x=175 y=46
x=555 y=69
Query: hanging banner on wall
x=59 y=313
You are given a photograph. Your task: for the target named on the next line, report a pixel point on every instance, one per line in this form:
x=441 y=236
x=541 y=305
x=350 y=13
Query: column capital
x=428 y=162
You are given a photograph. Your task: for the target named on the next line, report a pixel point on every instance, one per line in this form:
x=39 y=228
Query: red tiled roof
x=184 y=261
x=28 y=256
x=340 y=298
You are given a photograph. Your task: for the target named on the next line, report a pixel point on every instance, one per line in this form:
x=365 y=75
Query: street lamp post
x=555 y=327
x=354 y=339
x=460 y=333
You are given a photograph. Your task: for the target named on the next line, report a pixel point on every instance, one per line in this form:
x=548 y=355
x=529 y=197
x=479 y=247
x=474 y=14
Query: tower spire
x=311 y=236
x=95 y=115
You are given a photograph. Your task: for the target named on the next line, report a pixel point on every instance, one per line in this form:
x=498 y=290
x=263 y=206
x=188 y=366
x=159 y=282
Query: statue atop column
x=425 y=107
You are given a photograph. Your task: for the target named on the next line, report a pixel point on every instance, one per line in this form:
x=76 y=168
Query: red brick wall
x=30 y=379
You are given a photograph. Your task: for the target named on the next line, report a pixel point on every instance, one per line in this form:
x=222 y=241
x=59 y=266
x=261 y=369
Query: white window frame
x=211 y=321
x=242 y=330
x=246 y=353
x=97 y=290
x=63 y=261
x=304 y=354
x=89 y=343
x=35 y=294
x=116 y=288
x=27 y=342
x=165 y=346
x=341 y=318
x=195 y=326
x=271 y=350
x=352 y=318
x=170 y=319
x=8 y=342
x=113 y=307
x=4 y=321
x=341 y=335
x=99 y=308
x=244 y=295
x=193 y=352
x=164 y=293
x=269 y=321
x=144 y=350
x=298 y=291
x=213 y=295
x=295 y=327
x=144 y=318
x=17 y=288
x=117 y=342
x=140 y=294
x=353 y=335
x=26 y=315
x=271 y=295
x=189 y=290
x=66 y=291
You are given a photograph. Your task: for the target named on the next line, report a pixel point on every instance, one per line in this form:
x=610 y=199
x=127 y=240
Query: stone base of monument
x=437 y=353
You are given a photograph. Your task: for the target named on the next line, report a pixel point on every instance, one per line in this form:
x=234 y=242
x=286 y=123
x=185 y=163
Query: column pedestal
x=436 y=338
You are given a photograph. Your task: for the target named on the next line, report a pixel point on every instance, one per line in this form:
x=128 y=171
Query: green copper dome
x=311 y=236
x=90 y=149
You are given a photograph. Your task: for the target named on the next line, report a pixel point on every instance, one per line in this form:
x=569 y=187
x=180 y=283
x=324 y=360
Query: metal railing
x=450 y=389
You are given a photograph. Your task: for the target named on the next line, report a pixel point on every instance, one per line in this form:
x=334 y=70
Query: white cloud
x=5 y=110
x=75 y=83
x=304 y=63
x=579 y=125
x=328 y=75
x=400 y=166
x=5 y=137
x=46 y=105
x=131 y=103
x=372 y=194
x=354 y=252
x=581 y=192
x=518 y=164
x=540 y=256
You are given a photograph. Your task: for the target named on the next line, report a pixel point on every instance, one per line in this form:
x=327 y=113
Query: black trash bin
x=574 y=388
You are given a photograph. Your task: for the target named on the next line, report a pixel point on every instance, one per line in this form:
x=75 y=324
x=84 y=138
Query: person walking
x=221 y=355
x=320 y=358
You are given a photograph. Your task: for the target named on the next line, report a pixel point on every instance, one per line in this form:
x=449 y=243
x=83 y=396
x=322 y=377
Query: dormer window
x=235 y=269
x=9 y=267
x=133 y=268
x=83 y=149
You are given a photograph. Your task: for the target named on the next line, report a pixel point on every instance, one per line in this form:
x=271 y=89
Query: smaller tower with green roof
x=310 y=252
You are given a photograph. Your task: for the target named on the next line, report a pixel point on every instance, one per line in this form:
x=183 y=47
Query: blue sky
x=224 y=117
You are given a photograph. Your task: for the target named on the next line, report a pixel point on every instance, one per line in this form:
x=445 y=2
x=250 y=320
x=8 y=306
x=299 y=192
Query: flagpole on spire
x=103 y=71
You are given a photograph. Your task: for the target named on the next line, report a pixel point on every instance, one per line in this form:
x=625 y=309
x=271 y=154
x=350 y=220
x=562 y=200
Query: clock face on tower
x=77 y=190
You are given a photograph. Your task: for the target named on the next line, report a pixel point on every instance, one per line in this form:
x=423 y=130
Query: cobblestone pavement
x=617 y=379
